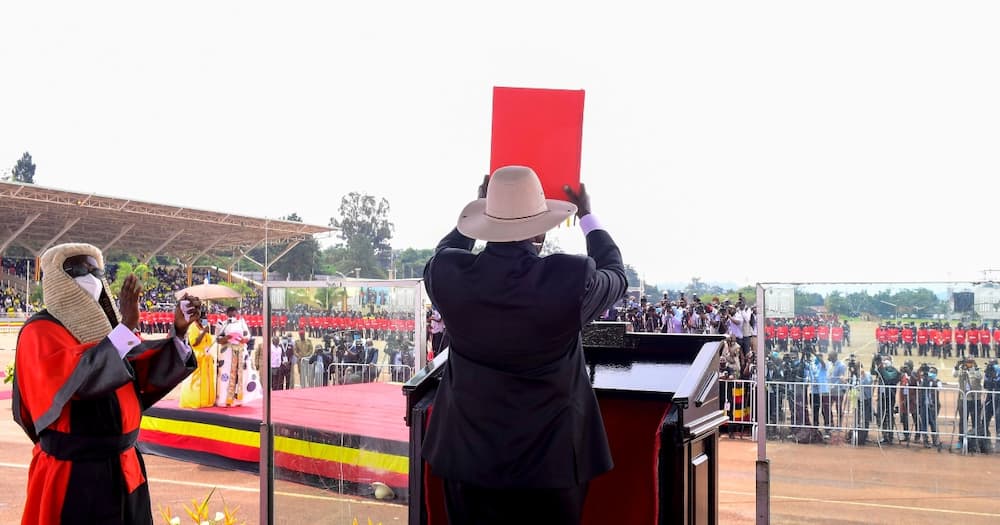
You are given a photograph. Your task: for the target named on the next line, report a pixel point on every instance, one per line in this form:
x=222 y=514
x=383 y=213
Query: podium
x=658 y=395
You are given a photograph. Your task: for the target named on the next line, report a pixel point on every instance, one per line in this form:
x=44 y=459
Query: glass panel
x=338 y=358
x=875 y=395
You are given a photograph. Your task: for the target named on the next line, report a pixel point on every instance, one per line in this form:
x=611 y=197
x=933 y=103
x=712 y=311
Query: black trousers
x=469 y=504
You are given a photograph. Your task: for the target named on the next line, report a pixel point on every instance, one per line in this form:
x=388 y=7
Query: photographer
x=928 y=404
x=744 y=313
x=819 y=377
x=838 y=383
x=698 y=322
x=775 y=414
x=730 y=371
x=970 y=381
x=887 y=377
x=734 y=323
x=863 y=382
x=991 y=383
x=796 y=371
x=908 y=401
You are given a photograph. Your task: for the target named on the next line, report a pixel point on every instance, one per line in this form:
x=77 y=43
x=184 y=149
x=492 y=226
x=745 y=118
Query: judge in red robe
x=82 y=379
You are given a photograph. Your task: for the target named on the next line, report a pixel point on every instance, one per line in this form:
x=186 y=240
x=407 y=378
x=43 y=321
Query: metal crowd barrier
x=855 y=414
x=350 y=373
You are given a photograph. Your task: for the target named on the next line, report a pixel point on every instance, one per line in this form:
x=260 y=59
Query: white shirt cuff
x=589 y=223
x=123 y=339
x=183 y=348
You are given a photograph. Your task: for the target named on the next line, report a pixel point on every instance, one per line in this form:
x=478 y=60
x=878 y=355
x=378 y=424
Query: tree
x=144 y=273
x=330 y=298
x=365 y=227
x=300 y=263
x=24 y=170
x=632 y=276
x=411 y=261
x=804 y=301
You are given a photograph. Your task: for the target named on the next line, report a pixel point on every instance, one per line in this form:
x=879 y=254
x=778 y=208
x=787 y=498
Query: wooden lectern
x=659 y=399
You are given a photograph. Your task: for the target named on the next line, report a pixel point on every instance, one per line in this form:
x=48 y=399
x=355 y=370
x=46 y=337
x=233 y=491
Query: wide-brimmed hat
x=515 y=208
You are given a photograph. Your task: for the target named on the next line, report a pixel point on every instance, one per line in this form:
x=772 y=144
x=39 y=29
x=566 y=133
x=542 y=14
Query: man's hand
x=187 y=311
x=484 y=186
x=582 y=200
x=128 y=302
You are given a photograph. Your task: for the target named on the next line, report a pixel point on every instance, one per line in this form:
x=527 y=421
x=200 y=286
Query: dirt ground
x=818 y=483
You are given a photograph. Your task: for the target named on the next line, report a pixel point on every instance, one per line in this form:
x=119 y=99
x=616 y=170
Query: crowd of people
x=812 y=392
x=12 y=301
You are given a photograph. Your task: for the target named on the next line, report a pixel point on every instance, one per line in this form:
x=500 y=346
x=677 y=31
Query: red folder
x=541 y=129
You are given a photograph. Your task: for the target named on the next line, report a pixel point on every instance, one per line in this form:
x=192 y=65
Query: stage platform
x=341 y=438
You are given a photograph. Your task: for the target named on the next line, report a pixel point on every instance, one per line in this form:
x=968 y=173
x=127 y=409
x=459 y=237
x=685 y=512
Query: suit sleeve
x=606 y=282
x=158 y=367
x=52 y=368
x=454 y=239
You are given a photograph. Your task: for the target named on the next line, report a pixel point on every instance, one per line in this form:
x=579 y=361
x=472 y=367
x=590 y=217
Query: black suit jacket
x=515 y=407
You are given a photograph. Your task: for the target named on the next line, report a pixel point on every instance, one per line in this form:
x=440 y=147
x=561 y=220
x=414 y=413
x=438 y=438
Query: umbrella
x=208 y=291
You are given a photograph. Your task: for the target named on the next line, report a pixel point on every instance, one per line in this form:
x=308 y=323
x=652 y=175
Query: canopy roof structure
x=36 y=217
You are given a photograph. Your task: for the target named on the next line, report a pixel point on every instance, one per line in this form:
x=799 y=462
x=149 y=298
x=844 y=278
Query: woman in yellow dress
x=198 y=389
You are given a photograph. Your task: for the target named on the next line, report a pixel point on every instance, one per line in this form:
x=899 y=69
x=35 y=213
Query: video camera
x=852 y=366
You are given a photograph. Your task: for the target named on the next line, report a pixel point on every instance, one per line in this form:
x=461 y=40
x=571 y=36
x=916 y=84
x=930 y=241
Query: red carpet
x=338 y=436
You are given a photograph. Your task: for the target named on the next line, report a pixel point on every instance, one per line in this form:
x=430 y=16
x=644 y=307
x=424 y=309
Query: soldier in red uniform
x=823 y=336
x=922 y=339
x=781 y=334
x=984 y=340
x=945 y=334
x=906 y=335
x=769 y=336
x=934 y=339
x=795 y=337
x=996 y=340
x=893 y=339
x=809 y=336
x=972 y=339
x=837 y=337
x=960 y=341
x=882 y=338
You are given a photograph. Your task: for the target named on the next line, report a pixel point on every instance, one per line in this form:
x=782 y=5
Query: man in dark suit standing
x=515 y=424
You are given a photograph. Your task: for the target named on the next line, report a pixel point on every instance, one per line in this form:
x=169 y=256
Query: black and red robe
x=81 y=404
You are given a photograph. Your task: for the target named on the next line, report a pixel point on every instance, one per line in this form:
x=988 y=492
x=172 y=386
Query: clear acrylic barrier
x=895 y=430
x=335 y=445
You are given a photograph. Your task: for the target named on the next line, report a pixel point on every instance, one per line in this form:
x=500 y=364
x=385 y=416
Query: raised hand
x=187 y=311
x=128 y=302
x=582 y=200
x=484 y=186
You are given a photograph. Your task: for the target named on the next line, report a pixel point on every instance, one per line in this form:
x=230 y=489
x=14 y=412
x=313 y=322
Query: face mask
x=932 y=375
x=90 y=284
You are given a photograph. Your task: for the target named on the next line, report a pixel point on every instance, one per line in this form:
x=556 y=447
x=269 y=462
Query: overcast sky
x=733 y=141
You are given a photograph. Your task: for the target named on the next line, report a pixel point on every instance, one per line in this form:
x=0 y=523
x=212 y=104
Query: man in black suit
x=516 y=431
